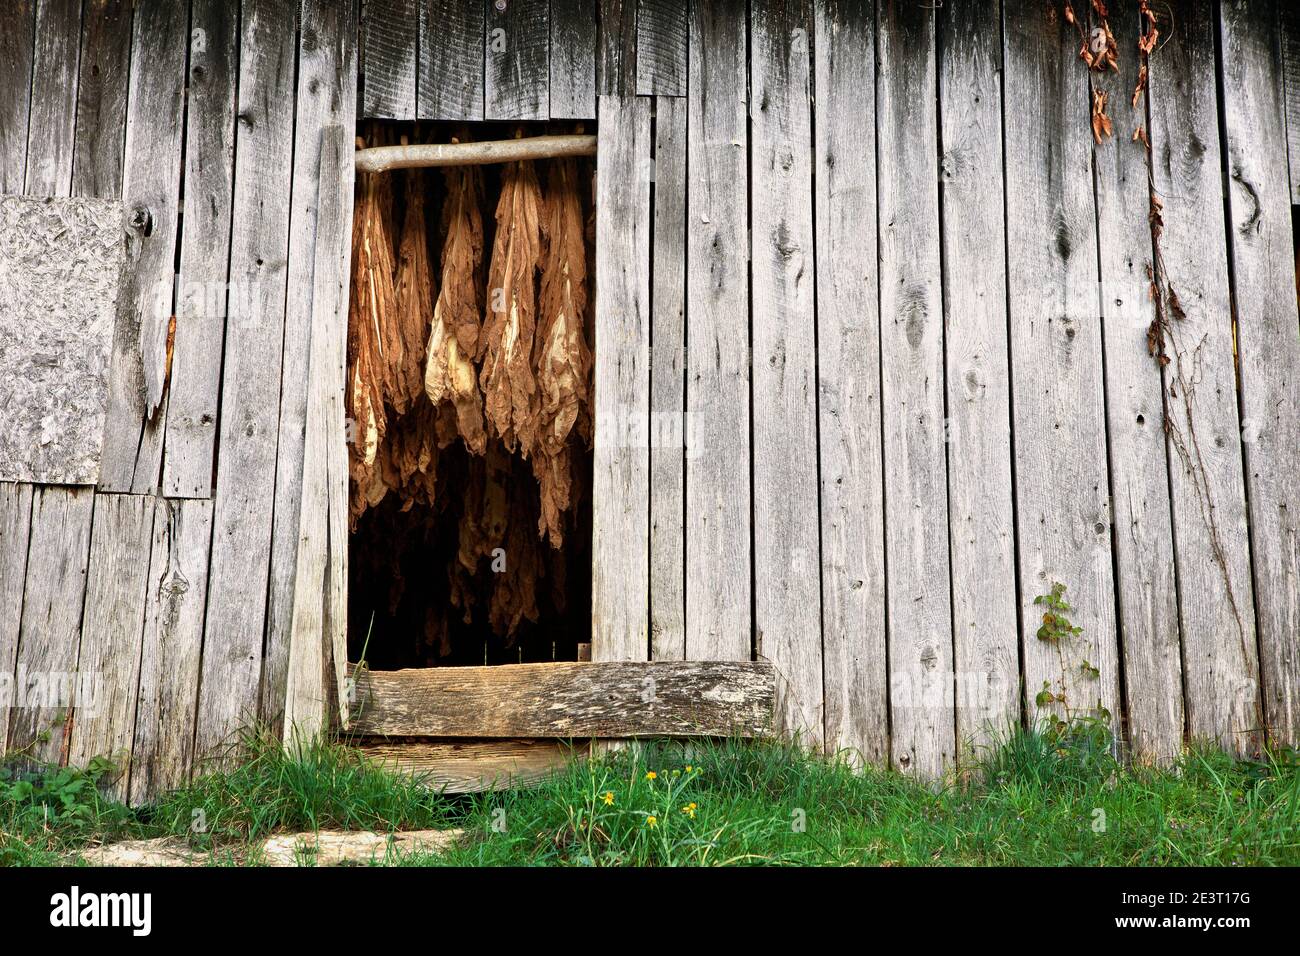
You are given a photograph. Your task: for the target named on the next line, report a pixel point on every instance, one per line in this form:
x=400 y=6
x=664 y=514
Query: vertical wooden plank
x=15 y=526
x=172 y=646
x=981 y=528
x=17 y=21
x=620 y=486
x=326 y=62
x=1291 y=69
x=787 y=555
x=912 y=393
x=668 y=386
x=451 y=60
x=1059 y=428
x=848 y=356
x=517 y=64
x=661 y=60
x=390 y=36
x=1219 y=653
x=111 y=628
x=573 y=59
x=17 y=45
x=316 y=661
x=134 y=431
x=101 y=98
x=204 y=298
x=1268 y=347
x=718 y=559
x=616 y=52
x=53 y=119
x=1140 y=502
x=250 y=391
x=50 y=629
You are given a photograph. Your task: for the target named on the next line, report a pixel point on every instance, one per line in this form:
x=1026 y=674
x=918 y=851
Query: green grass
x=1039 y=799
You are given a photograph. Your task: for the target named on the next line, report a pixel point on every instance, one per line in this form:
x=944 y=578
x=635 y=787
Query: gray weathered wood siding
x=177 y=587
x=871 y=364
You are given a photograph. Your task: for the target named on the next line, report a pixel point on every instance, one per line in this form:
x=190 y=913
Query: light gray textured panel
x=60 y=265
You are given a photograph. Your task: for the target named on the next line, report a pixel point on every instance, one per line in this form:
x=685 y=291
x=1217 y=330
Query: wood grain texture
x=204 y=298
x=112 y=625
x=1144 y=535
x=620 y=570
x=101 y=98
x=52 y=123
x=1059 y=436
x=668 y=386
x=15 y=528
x=787 y=592
x=517 y=65
x=848 y=368
x=615 y=699
x=172 y=647
x=616 y=52
x=250 y=396
x=317 y=626
x=1268 y=346
x=1291 y=82
x=922 y=723
x=17 y=46
x=47 y=682
x=390 y=36
x=451 y=60
x=981 y=524
x=60 y=266
x=326 y=64
x=661 y=40
x=472 y=766
x=1219 y=653
x=573 y=59
x=718 y=564
x=133 y=438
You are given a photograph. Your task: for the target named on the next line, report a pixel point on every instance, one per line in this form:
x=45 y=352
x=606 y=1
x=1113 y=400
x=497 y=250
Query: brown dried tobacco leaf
x=382 y=247
x=483 y=521
x=1140 y=135
x=449 y=373
x=562 y=359
x=1101 y=126
x=414 y=284
x=409 y=456
x=514 y=591
x=510 y=319
x=372 y=297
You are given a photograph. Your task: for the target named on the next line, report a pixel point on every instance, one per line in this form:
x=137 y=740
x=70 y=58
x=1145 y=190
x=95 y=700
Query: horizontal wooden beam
x=378 y=159
x=609 y=699
x=471 y=766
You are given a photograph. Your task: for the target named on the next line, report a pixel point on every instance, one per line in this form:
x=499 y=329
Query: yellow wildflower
x=608 y=798
x=651 y=821
x=650 y=775
x=689 y=810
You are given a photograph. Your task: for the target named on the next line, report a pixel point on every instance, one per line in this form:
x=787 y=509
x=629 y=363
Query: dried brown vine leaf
x=1101 y=125
x=510 y=319
x=449 y=374
x=414 y=287
x=562 y=358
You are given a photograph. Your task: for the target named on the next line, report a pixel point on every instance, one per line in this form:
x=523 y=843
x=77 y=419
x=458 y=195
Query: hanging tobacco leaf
x=509 y=322
x=449 y=374
x=414 y=286
x=562 y=358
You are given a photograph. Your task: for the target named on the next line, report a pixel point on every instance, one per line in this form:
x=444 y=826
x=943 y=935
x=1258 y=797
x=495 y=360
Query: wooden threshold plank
x=613 y=699
x=472 y=766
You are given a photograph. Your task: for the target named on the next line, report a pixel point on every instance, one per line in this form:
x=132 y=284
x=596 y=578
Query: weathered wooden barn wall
x=869 y=260
x=176 y=581
x=872 y=369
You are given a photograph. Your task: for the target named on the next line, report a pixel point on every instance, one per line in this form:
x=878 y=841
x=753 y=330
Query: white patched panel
x=60 y=266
